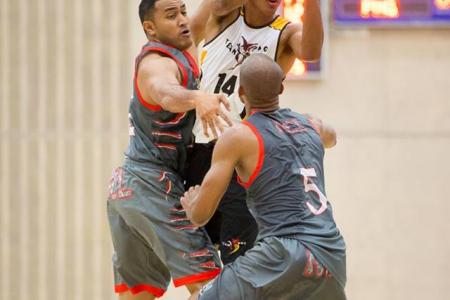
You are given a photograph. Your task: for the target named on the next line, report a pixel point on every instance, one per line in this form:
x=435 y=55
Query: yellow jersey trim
x=279 y=23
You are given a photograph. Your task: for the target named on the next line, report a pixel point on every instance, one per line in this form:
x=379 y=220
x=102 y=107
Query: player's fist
x=188 y=200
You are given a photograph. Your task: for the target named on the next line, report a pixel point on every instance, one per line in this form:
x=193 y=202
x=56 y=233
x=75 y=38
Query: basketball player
x=234 y=30
x=153 y=240
x=278 y=155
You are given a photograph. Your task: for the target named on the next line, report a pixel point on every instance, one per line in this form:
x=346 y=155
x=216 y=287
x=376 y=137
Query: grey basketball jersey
x=286 y=192
x=156 y=135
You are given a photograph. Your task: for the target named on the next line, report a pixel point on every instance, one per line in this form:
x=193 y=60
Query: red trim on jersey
x=162 y=176
x=193 y=63
x=168 y=186
x=186 y=227
x=260 y=156
x=179 y=63
x=122 y=288
x=168 y=133
x=174 y=121
x=209 y=265
x=196 y=277
x=177 y=210
x=152 y=107
x=178 y=219
x=201 y=253
x=167 y=146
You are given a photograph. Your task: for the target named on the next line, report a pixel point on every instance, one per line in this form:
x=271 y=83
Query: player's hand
x=210 y=112
x=188 y=200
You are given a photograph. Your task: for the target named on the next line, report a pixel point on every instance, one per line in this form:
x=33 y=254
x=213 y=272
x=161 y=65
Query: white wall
x=387 y=92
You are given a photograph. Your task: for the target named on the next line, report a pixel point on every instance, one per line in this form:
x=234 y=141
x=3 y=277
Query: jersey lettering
x=311 y=187
x=291 y=126
x=228 y=86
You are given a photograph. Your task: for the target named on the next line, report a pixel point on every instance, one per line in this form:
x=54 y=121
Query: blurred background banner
x=390 y=13
x=65 y=82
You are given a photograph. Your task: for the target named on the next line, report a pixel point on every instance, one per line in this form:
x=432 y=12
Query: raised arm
x=159 y=83
x=306 y=41
x=200 y=202
x=200 y=19
x=211 y=16
x=222 y=8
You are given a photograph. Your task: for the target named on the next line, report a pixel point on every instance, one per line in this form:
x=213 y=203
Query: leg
x=194 y=296
x=141 y=296
x=213 y=228
x=239 y=229
x=189 y=254
x=194 y=288
x=228 y=285
x=199 y=164
x=139 y=268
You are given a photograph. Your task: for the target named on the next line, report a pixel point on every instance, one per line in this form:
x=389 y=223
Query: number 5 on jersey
x=226 y=87
x=311 y=187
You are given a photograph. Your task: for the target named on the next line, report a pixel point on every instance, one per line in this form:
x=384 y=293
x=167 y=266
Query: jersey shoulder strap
x=183 y=59
x=279 y=23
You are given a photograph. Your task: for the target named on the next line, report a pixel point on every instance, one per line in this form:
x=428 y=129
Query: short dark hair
x=262 y=79
x=145 y=9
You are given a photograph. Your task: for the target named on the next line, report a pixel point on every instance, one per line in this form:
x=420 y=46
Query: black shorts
x=232 y=227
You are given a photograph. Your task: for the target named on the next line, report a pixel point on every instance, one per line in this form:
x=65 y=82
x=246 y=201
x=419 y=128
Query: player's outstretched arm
x=159 y=83
x=306 y=41
x=211 y=16
x=201 y=202
x=326 y=132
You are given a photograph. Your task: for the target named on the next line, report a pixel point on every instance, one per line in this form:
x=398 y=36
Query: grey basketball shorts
x=274 y=269
x=153 y=239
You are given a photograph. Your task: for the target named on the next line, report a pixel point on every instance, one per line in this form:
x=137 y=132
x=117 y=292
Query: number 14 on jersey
x=225 y=85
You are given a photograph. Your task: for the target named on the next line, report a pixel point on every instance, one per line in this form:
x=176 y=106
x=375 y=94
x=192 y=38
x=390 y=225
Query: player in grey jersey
x=278 y=155
x=153 y=240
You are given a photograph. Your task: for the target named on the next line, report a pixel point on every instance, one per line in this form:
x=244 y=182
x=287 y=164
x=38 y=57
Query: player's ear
x=149 y=28
x=281 y=89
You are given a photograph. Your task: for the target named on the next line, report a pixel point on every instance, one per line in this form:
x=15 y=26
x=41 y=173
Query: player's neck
x=269 y=107
x=154 y=40
x=256 y=18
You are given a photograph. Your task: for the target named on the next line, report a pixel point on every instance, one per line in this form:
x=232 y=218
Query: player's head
x=267 y=7
x=166 y=21
x=261 y=81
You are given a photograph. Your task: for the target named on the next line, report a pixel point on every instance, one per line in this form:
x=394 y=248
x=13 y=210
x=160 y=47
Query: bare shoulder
x=236 y=133
x=293 y=28
x=290 y=30
x=238 y=136
x=155 y=63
